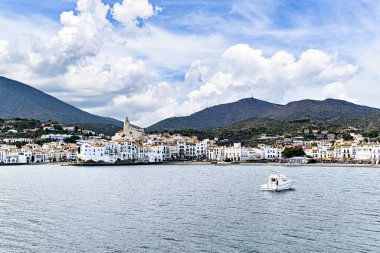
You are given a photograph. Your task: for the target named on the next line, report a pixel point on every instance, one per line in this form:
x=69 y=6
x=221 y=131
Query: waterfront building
x=233 y=153
x=312 y=151
x=252 y=154
x=154 y=153
x=365 y=152
x=272 y=153
x=94 y=152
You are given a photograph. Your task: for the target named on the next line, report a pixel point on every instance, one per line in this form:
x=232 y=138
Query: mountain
x=320 y=110
x=227 y=114
x=217 y=116
x=19 y=100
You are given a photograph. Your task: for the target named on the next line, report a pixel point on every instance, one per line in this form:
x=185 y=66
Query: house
x=272 y=153
x=57 y=137
x=233 y=153
x=93 y=152
x=69 y=128
x=154 y=153
x=365 y=152
x=252 y=154
x=312 y=152
x=347 y=151
x=88 y=132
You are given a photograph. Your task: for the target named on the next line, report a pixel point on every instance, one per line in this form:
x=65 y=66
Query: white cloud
x=153 y=104
x=169 y=50
x=243 y=71
x=80 y=36
x=130 y=11
x=196 y=74
x=337 y=90
x=99 y=77
x=3 y=50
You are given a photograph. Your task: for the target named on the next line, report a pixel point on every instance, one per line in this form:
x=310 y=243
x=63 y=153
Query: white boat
x=277 y=182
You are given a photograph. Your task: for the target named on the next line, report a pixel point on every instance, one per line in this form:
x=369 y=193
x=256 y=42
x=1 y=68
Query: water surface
x=51 y=208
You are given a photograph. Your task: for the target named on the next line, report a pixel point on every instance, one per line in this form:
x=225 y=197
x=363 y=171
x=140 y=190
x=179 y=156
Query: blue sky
x=161 y=58
x=251 y=22
x=210 y=16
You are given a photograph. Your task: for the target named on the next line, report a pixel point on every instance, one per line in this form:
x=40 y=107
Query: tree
x=372 y=134
x=58 y=127
x=292 y=152
x=72 y=139
x=347 y=137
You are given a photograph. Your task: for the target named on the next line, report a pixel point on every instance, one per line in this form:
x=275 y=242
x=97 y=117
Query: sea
x=188 y=208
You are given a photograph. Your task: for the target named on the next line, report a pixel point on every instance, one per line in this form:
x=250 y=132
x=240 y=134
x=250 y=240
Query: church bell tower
x=126 y=124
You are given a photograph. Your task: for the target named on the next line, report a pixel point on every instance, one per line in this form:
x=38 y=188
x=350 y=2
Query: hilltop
x=224 y=115
x=19 y=100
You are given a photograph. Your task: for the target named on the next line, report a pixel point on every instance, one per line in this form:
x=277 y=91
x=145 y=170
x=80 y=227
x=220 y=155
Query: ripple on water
x=187 y=209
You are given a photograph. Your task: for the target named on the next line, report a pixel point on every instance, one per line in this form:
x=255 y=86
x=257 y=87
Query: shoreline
x=277 y=164
x=337 y=165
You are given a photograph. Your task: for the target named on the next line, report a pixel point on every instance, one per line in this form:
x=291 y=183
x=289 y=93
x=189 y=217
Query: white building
x=57 y=137
x=251 y=154
x=233 y=153
x=95 y=152
x=154 y=153
x=312 y=152
x=271 y=153
x=366 y=152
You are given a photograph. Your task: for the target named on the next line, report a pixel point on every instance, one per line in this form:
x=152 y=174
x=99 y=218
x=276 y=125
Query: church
x=129 y=132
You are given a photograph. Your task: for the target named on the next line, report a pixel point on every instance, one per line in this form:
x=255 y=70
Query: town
x=58 y=143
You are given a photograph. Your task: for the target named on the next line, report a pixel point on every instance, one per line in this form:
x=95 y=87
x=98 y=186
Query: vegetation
x=72 y=139
x=347 y=137
x=299 y=112
x=371 y=134
x=292 y=152
x=30 y=128
x=21 y=124
x=250 y=131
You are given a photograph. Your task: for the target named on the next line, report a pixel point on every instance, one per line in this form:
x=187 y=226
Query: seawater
x=50 y=208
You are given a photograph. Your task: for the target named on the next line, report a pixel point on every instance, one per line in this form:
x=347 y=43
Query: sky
x=154 y=59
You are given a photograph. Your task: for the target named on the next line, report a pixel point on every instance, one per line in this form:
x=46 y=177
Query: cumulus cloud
x=243 y=71
x=131 y=12
x=196 y=74
x=153 y=104
x=124 y=75
x=84 y=34
x=337 y=90
x=79 y=38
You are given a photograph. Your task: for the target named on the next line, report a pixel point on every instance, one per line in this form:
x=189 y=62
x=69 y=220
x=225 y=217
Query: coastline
x=338 y=165
x=275 y=164
x=272 y=164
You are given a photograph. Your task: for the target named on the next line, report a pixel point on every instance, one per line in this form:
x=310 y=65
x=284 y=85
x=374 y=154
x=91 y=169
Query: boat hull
x=277 y=188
